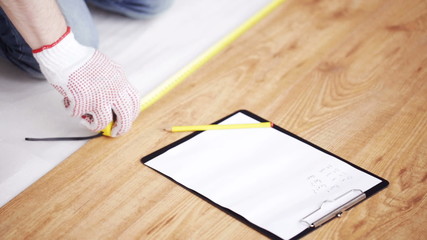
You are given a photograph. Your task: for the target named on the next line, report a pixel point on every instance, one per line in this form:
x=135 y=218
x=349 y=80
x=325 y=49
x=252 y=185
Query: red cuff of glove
x=53 y=44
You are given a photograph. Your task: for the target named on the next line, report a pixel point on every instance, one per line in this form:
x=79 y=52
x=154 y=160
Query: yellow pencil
x=219 y=127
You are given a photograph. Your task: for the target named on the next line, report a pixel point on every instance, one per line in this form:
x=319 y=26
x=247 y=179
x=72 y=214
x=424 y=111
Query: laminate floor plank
x=349 y=76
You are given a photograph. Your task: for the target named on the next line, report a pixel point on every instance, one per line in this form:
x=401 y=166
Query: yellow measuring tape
x=178 y=77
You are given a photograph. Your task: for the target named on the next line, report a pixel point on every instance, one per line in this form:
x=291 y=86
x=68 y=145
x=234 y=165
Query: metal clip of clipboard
x=330 y=209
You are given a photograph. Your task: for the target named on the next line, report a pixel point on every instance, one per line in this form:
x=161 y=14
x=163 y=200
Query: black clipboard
x=329 y=209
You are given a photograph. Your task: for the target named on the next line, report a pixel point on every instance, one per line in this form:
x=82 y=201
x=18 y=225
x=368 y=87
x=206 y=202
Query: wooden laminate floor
x=350 y=76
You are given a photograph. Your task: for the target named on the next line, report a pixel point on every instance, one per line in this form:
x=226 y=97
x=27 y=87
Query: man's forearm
x=40 y=22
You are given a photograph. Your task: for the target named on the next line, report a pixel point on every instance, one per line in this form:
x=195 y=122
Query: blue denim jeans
x=14 y=48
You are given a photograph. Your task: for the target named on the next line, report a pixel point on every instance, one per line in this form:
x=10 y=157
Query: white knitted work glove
x=92 y=85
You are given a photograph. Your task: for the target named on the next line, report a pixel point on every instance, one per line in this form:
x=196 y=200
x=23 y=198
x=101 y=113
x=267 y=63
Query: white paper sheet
x=150 y=52
x=271 y=179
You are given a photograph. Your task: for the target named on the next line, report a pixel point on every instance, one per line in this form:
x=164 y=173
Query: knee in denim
x=143 y=9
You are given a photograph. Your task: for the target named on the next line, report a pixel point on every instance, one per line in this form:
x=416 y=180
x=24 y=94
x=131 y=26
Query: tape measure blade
x=194 y=65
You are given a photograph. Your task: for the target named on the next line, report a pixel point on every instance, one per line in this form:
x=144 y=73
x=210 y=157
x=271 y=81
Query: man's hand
x=93 y=86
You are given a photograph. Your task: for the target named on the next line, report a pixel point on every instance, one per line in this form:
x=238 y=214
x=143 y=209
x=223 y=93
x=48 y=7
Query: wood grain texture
x=350 y=76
